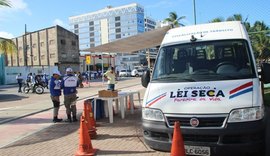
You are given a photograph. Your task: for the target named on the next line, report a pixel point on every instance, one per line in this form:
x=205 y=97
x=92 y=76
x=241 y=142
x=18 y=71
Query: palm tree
x=5 y=3
x=218 y=19
x=260 y=40
x=174 y=19
x=7 y=47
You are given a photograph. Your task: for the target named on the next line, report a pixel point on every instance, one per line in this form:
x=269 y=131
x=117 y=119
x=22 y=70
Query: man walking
x=55 y=90
x=69 y=84
x=19 y=79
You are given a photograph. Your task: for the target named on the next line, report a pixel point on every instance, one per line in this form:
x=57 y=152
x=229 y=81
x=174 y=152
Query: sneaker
x=75 y=120
x=57 y=120
x=68 y=120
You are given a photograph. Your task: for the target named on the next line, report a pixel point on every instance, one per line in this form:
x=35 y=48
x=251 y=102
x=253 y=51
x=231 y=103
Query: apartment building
x=49 y=47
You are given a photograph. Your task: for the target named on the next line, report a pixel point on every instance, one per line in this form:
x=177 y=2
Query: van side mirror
x=145 y=79
x=265 y=73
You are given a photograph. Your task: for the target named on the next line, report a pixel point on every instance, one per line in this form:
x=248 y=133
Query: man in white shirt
x=19 y=79
x=110 y=76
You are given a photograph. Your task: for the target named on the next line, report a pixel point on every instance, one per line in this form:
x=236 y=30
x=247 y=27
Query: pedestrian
x=55 y=90
x=69 y=85
x=110 y=76
x=19 y=79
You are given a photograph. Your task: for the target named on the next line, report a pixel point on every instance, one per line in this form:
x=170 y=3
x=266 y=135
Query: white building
x=107 y=25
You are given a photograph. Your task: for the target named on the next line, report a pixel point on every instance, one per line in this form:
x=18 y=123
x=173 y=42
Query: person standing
x=110 y=76
x=69 y=85
x=19 y=79
x=55 y=91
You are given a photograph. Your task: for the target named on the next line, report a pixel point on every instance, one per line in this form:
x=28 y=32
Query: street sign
x=88 y=59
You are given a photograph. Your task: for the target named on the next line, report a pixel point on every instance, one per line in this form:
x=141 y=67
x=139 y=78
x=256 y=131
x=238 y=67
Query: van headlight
x=246 y=114
x=152 y=114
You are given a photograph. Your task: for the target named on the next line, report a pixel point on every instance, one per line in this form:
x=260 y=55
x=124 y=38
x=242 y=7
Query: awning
x=145 y=40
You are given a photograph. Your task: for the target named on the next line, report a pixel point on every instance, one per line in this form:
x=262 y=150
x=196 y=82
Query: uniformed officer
x=69 y=85
x=55 y=90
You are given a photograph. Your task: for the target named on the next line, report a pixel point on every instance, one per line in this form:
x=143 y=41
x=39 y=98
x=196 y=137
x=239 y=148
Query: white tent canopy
x=134 y=43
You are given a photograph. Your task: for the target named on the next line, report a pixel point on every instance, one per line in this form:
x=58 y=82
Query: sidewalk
x=123 y=137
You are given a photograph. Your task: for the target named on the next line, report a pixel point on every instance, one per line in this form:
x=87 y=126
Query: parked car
x=125 y=73
x=137 y=72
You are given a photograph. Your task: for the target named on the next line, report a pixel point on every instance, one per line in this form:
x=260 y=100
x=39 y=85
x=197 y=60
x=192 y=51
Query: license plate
x=197 y=150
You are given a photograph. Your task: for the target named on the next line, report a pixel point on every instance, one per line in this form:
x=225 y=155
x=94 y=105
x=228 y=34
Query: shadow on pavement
x=107 y=152
x=10 y=97
x=53 y=132
x=107 y=136
x=24 y=121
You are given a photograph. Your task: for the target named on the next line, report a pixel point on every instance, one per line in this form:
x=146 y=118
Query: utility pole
x=194 y=11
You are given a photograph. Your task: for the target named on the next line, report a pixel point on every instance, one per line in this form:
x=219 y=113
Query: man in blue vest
x=55 y=90
x=69 y=85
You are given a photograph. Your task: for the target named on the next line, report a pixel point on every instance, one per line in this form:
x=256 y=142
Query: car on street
x=137 y=72
x=125 y=73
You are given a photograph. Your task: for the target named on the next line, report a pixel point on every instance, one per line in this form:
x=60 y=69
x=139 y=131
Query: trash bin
x=100 y=108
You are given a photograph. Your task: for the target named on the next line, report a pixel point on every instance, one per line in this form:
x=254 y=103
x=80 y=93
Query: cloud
x=6 y=35
x=60 y=22
x=16 y=6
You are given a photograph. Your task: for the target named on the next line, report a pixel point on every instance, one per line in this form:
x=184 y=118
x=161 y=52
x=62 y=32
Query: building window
x=35 y=58
x=91 y=29
x=117 y=18
x=92 y=40
x=118 y=30
x=118 y=36
x=91 y=23
x=51 y=42
x=52 y=55
x=73 y=43
x=63 y=41
x=34 y=45
x=76 y=31
x=117 y=24
x=92 y=45
x=76 y=26
x=92 y=34
x=42 y=57
x=41 y=44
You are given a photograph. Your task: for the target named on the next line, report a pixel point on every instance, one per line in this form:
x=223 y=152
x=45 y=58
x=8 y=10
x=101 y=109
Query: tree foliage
x=174 y=19
x=4 y=3
x=258 y=32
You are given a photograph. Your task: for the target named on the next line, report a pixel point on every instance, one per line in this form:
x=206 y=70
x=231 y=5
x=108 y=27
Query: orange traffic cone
x=91 y=114
x=85 y=145
x=178 y=148
x=129 y=105
x=91 y=128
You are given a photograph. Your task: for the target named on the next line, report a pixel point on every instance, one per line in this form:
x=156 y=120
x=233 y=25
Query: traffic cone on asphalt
x=85 y=145
x=91 y=129
x=178 y=148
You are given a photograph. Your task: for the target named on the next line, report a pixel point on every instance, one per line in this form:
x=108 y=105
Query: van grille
x=203 y=121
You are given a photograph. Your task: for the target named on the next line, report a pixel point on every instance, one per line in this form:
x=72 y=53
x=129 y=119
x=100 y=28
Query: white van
x=205 y=77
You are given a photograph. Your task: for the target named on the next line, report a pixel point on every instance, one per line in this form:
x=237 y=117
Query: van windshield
x=204 y=61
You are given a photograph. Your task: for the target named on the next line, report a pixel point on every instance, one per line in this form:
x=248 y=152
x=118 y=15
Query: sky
x=40 y=14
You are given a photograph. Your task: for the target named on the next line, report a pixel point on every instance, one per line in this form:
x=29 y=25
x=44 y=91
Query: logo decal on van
x=245 y=88
x=154 y=100
x=197 y=93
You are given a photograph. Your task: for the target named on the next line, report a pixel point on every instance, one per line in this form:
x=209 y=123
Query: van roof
x=206 y=32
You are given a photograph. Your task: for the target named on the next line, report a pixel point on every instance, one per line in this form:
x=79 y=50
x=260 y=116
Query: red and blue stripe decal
x=154 y=100
x=245 y=88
